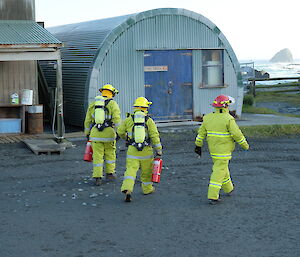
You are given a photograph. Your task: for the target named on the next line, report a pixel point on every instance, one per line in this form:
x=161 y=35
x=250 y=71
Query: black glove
x=88 y=137
x=158 y=153
x=117 y=137
x=198 y=150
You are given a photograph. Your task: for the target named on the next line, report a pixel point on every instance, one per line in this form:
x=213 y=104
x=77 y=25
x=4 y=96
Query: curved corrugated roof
x=86 y=45
x=86 y=41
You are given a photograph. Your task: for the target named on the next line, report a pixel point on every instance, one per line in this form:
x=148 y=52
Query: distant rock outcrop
x=283 y=55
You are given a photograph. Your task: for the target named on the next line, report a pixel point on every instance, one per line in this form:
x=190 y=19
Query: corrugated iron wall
x=81 y=43
x=112 y=51
x=17 y=9
x=123 y=64
x=16 y=76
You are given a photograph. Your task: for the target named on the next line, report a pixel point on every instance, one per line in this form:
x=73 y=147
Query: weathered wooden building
x=177 y=58
x=22 y=43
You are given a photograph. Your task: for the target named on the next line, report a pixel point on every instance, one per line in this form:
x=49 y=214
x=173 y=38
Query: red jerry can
x=88 y=154
x=156 y=171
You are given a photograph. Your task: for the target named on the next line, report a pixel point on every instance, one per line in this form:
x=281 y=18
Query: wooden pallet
x=8 y=139
x=44 y=146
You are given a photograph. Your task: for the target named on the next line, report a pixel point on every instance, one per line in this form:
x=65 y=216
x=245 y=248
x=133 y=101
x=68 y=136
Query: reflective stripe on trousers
x=97 y=164
x=129 y=177
x=221 y=156
x=226 y=181
x=215 y=184
x=139 y=157
x=102 y=139
x=147 y=183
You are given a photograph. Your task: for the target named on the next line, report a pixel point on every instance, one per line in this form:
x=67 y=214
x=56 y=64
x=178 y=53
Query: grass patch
x=294 y=99
x=263 y=131
x=260 y=110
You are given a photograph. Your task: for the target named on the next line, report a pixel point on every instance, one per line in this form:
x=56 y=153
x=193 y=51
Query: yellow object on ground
x=221 y=132
x=139 y=159
x=219 y=179
x=103 y=151
x=103 y=142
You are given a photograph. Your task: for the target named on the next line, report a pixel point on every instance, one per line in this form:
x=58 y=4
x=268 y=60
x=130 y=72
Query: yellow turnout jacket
x=221 y=132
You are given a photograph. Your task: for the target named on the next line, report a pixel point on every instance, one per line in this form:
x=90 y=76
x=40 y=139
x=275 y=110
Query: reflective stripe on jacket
x=221 y=131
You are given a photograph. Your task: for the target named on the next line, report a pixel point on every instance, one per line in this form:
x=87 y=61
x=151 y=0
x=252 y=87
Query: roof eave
x=29 y=46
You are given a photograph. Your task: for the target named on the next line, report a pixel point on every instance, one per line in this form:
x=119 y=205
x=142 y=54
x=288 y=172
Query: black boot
x=128 y=197
x=98 y=181
x=214 y=201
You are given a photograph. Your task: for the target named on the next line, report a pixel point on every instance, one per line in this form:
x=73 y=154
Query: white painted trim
x=29 y=56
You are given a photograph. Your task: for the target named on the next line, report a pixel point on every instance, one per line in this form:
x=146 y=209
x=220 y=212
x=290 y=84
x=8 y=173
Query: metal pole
x=59 y=106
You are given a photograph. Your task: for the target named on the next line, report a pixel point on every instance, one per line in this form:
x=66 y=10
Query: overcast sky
x=256 y=29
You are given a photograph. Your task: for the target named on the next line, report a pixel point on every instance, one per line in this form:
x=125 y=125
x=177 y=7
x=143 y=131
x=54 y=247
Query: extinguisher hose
x=54 y=119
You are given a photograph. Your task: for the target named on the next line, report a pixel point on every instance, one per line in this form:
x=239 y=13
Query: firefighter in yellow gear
x=101 y=122
x=221 y=132
x=141 y=135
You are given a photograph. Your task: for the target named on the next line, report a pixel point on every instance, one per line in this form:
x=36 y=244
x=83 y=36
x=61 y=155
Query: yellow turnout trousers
x=219 y=179
x=103 y=151
x=134 y=161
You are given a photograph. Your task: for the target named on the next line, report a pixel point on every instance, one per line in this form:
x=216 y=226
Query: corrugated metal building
x=177 y=58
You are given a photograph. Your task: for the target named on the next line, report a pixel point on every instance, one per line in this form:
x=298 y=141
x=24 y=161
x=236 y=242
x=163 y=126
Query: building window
x=212 y=68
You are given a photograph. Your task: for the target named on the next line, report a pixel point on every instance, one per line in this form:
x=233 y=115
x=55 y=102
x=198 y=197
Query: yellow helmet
x=110 y=88
x=142 y=102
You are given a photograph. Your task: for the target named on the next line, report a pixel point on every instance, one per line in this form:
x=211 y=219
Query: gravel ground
x=49 y=206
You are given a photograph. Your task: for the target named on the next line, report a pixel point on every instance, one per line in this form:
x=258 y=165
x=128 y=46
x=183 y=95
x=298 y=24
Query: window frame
x=205 y=84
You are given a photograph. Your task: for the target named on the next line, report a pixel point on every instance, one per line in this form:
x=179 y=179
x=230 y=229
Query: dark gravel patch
x=49 y=206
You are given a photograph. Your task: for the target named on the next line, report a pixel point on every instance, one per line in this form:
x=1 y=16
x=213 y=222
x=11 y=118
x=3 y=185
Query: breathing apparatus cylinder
x=88 y=153
x=99 y=109
x=156 y=171
x=139 y=127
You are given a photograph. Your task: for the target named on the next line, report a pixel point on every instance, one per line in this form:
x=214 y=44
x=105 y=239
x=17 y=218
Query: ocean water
x=276 y=70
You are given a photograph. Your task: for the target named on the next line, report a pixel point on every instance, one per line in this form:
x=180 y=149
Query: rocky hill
x=283 y=55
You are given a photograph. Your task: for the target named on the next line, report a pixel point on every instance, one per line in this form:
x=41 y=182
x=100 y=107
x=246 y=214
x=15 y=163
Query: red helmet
x=221 y=101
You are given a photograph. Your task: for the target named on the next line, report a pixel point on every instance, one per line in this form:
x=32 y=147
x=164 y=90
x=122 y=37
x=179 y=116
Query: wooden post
x=254 y=91
x=59 y=100
x=299 y=84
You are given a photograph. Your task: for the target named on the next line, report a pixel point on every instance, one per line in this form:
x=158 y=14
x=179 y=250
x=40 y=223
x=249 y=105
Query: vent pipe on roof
x=17 y=9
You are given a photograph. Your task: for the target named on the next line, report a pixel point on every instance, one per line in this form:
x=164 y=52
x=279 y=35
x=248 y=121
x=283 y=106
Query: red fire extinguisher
x=88 y=154
x=156 y=171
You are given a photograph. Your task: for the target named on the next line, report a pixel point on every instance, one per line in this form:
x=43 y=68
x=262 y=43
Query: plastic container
x=27 y=96
x=14 y=98
x=10 y=125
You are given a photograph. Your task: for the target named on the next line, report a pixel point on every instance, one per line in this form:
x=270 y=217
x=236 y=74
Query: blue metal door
x=168 y=84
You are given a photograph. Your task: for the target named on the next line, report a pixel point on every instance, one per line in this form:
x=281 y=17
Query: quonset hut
x=177 y=58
